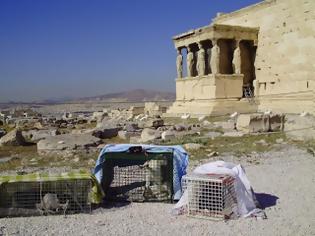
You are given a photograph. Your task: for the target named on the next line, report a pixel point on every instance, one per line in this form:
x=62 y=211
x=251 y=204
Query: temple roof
x=216 y=31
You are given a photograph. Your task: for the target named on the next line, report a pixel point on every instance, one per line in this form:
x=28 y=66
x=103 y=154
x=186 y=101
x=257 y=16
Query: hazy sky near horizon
x=78 y=48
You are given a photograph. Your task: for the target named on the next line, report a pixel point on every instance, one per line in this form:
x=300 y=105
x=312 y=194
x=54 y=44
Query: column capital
x=214 y=41
x=237 y=42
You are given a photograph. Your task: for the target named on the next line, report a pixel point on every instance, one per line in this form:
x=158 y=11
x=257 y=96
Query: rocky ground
x=277 y=151
x=283 y=181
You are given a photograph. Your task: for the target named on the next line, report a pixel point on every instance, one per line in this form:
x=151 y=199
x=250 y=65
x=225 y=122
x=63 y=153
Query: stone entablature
x=215 y=31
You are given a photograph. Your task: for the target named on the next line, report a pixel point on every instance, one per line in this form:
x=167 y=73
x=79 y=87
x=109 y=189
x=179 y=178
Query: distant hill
x=137 y=95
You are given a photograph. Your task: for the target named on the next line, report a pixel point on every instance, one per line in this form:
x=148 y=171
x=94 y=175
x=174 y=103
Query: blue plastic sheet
x=180 y=161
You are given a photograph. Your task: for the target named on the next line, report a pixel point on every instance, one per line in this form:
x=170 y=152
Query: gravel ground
x=284 y=181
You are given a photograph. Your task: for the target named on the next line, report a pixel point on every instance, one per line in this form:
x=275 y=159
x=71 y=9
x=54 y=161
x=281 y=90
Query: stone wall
x=285 y=59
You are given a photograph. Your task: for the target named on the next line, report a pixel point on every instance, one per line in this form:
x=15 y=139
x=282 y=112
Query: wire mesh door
x=138 y=177
x=210 y=196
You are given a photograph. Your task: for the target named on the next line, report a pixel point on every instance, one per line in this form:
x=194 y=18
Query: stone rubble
x=13 y=138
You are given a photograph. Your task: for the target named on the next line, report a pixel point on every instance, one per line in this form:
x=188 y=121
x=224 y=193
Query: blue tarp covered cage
x=178 y=155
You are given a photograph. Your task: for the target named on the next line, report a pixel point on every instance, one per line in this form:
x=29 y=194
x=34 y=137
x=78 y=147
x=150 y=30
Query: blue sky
x=78 y=48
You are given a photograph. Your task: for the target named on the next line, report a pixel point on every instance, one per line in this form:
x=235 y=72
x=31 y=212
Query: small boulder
x=254 y=123
x=234 y=115
x=180 y=127
x=38 y=125
x=300 y=127
x=99 y=115
x=304 y=113
x=192 y=146
x=201 y=118
x=276 y=122
x=70 y=126
x=167 y=135
x=148 y=135
x=163 y=128
x=131 y=127
x=206 y=123
x=226 y=125
x=103 y=133
x=262 y=142
x=67 y=142
x=213 y=154
x=37 y=135
x=185 y=116
x=91 y=162
x=13 y=138
x=125 y=134
x=279 y=140
x=144 y=118
x=155 y=123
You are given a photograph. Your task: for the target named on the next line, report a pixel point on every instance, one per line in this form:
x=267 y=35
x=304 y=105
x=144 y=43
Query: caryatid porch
x=219 y=58
x=215 y=62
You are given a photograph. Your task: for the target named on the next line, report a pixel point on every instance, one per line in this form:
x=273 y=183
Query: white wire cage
x=210 y=196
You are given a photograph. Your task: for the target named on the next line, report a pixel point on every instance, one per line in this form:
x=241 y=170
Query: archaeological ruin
x=259 y=58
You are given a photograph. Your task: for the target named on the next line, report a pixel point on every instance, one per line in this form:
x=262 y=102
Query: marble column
x=201 y=61
x=190 y=62
x=236 y=62
x=215 y=57
x=179 y=64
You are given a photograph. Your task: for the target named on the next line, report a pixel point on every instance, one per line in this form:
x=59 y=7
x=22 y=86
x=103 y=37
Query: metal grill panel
x=210 y=196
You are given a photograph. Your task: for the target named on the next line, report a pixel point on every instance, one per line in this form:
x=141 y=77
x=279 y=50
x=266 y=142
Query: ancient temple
x=255 y=59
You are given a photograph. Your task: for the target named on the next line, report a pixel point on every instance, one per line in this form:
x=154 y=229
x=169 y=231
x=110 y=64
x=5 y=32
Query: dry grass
x=25 y=159
x=238 y=146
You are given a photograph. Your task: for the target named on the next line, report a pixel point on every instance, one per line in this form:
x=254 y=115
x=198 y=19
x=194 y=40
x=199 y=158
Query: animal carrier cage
x=210 y=196
x=43 y=195
x=138 y=176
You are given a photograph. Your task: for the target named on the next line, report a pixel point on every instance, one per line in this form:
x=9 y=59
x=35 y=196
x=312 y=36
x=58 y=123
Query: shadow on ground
x=266 y=200
x=112 y=205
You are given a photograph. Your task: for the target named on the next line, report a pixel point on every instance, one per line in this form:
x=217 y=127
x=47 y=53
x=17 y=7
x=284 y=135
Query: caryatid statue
x=190 y=62
x=179 y=64
x=209 y=60
x=201 y=61
x=215 y=58
x=236 y=62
